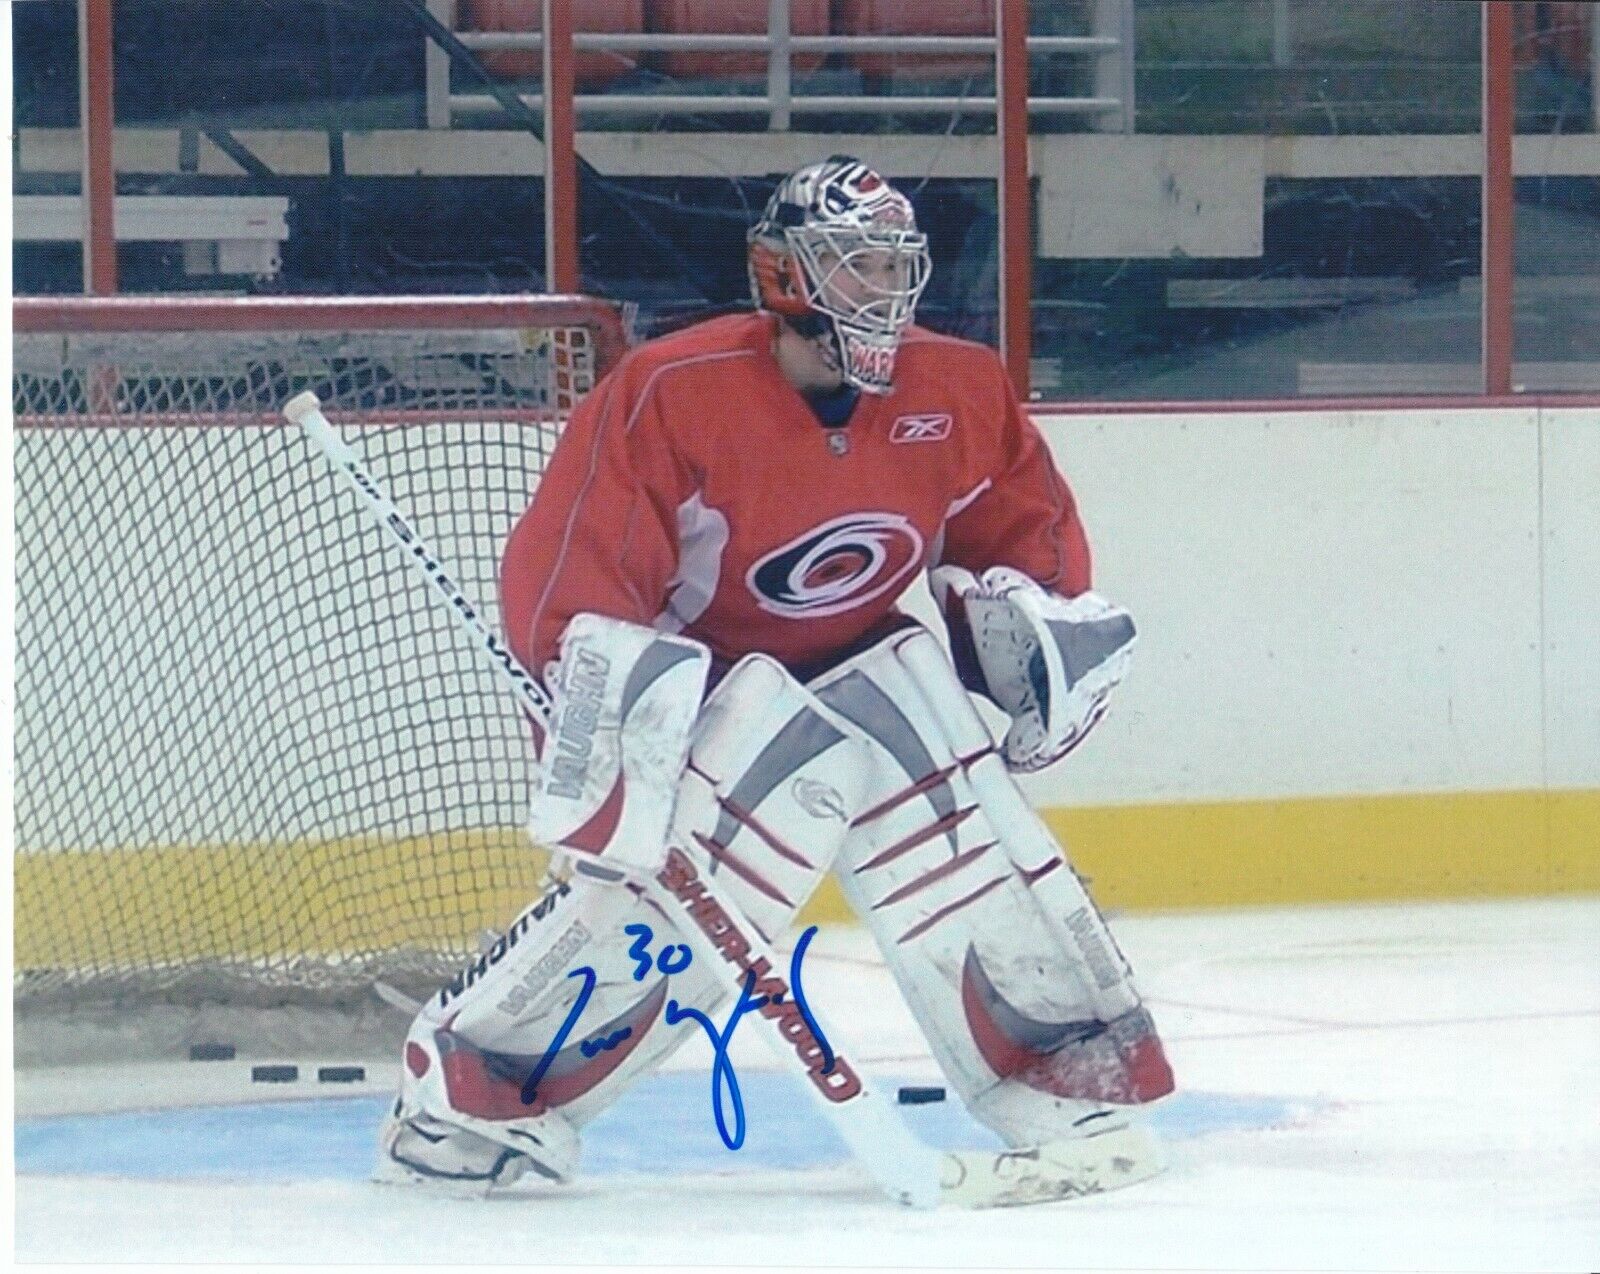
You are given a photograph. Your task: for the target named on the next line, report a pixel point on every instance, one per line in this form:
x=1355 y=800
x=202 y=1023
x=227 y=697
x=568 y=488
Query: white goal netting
x=254 y=759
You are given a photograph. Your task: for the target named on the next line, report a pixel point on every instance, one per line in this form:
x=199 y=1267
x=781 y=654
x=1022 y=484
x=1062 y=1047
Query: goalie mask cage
x=255 y=761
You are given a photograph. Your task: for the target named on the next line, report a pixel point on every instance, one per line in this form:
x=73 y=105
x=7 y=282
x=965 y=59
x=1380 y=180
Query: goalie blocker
x=881 y=770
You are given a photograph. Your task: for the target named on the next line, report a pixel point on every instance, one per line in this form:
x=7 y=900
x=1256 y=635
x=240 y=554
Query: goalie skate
x=1107 y=1153
x=469 y=1154
x=419 y=1150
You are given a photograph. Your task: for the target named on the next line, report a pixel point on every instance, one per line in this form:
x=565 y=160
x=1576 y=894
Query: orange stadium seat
x=917 y=17
x=731 y=17
x=591 y=17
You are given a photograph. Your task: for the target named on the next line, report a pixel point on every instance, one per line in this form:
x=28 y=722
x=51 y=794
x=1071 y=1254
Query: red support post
x=560 y=154
x=1016 y=222
x=97 y=121
x=1499 y=196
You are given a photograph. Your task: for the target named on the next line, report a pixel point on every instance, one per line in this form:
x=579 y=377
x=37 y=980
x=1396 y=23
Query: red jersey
x=695 y=491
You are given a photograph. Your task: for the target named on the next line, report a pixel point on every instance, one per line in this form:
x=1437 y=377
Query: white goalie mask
x=838 y=253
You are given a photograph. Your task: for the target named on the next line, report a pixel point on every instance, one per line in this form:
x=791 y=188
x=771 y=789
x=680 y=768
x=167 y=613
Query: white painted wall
x=1570 y=474
x=1152 y=197
x=1356 y=602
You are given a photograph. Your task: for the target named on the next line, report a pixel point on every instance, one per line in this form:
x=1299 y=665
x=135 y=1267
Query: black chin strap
x=810 y=325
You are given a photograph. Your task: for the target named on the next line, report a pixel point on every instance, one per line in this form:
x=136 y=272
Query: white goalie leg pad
x=467 y=1111
x=626 y=700
x=773 y=782
x=1008 y=967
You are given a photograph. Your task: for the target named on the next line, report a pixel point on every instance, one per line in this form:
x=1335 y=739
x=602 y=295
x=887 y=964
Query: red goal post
x=228 y=783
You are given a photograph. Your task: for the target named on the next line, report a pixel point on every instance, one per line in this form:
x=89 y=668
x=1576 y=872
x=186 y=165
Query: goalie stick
x=908 y=1171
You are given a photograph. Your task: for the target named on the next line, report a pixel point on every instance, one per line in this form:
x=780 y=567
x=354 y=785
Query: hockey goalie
x=708 y=578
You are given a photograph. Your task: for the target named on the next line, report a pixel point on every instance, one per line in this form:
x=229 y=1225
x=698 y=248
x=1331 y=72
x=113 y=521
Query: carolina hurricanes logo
x=842 y=564
x=859 y=188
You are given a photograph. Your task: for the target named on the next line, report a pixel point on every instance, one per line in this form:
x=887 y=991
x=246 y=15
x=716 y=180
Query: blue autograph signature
x=674 y=958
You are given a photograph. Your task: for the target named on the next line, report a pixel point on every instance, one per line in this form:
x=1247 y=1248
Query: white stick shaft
x=305 y=411
x=905 y=1169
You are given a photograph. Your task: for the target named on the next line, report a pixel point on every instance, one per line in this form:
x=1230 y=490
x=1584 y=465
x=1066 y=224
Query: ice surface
x=1360 y=1088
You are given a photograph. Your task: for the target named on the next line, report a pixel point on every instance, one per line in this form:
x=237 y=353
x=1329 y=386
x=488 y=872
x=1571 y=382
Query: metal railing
x=1111 y=105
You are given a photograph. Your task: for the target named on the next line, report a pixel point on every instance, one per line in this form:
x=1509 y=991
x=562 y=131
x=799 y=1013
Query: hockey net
x=254 y=761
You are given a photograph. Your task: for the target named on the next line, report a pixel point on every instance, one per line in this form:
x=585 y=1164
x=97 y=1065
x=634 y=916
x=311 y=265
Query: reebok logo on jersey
x=842 y=564
x=921 y=428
